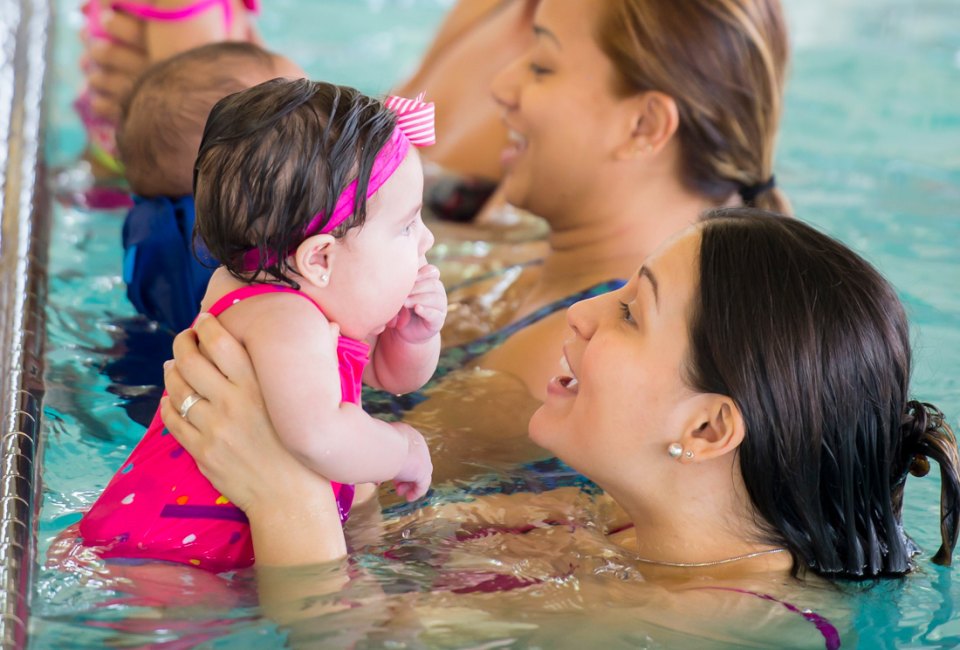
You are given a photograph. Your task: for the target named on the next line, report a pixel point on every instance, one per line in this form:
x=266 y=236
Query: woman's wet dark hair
x=275 y=155
x=812 y=344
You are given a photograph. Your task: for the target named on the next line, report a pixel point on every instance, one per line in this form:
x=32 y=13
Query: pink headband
x=415 y=125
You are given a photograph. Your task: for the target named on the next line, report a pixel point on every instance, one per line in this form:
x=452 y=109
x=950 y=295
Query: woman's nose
x=506 y=84
x=582 y=317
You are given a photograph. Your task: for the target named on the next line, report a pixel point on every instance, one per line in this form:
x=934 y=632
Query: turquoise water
x=870 y=152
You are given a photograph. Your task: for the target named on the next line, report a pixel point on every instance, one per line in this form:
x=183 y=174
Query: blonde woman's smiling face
x=560 y=109
x=620 y=398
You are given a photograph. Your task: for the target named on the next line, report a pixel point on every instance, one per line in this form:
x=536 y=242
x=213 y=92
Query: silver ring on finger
x=188 y=404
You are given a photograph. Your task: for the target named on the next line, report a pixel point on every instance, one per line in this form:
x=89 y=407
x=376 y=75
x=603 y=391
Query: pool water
x=870 y=152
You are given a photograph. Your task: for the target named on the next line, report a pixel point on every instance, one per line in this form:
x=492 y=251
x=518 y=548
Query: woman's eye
x=538 y=70
x=625 y=312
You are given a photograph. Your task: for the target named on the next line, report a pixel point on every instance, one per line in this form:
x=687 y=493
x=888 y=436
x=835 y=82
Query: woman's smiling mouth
x=566 y=383
x=517 y=144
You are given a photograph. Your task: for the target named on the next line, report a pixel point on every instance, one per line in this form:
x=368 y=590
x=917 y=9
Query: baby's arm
x=406 y=352
x=165 y=38
x=293 y=349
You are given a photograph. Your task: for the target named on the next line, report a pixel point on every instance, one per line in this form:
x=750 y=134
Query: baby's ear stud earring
x=675 y=450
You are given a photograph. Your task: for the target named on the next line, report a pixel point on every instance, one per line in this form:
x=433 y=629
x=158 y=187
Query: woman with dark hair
x=744 y=398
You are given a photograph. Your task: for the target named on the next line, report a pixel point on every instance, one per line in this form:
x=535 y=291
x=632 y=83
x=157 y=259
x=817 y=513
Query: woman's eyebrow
x=644 y=272
x=539 y=30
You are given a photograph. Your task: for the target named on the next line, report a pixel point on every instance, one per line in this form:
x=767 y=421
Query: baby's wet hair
x=163 y=117
x=273 y=157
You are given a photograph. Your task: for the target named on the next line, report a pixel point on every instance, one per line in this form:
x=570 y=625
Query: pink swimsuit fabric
x=148 y=12
x=159 y=506
x=100 y=132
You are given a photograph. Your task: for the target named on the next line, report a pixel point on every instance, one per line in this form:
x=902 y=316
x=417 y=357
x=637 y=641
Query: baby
x=309 y=194
x=162 y=29
x=158 y=137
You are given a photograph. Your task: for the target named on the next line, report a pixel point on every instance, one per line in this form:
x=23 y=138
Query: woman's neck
x=609 y=238
x=705 y=523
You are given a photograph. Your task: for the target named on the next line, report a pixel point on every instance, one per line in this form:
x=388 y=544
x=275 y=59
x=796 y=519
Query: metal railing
x=24 y=230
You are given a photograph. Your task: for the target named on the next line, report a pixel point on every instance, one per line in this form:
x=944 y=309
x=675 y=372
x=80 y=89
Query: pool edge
x=25 y=25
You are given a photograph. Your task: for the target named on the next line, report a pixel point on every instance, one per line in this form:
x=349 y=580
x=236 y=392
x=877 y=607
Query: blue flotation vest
x=166 y=277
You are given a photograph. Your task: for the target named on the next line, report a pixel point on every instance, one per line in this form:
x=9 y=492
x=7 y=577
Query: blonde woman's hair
x=724 y=62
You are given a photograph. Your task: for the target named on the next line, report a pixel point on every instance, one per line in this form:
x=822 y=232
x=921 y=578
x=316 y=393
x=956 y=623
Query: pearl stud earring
x=675 y=450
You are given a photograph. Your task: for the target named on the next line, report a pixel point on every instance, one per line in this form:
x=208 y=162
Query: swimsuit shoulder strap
x=831 y=636
x=148 y=12
x=486 y=343
x=563 y=303
x=346 y=346
x=458 y=356
x=233 y=297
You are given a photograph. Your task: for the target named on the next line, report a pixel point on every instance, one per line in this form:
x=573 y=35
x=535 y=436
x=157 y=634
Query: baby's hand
x=424 y=310
x=413 y=481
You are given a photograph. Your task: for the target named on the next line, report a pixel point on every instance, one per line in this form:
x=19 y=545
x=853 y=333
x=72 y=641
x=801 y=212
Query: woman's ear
x=653 y=119
x=314 y=259
x=716 y=429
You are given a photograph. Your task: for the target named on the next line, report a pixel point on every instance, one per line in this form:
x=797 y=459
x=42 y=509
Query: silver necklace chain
x=728 y=560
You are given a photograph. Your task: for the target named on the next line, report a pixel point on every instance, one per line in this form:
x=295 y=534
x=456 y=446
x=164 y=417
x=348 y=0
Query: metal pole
x=24 y=231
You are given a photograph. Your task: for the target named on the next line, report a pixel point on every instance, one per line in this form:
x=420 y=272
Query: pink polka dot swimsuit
x=160 y=507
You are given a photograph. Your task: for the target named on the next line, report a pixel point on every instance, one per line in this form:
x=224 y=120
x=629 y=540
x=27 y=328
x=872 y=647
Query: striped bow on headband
x=415 y=119
x=415 y=126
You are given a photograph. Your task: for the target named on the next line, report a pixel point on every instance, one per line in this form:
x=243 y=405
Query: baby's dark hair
x=273 y=157
x=162 y=119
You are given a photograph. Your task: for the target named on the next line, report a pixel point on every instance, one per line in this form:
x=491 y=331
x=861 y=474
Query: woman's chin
x=540 y=427
x=513 y=193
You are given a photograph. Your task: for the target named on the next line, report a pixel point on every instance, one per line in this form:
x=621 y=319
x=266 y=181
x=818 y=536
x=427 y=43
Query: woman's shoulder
x=498 y=303
x=530 y=344
x=762 y=609
x=573 y=567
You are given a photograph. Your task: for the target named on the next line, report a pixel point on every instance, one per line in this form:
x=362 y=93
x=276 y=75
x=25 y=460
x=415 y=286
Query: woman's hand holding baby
x=228 y=432
x=230 y=436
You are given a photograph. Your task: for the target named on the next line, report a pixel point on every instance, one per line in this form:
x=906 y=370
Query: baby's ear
x=314 y=259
